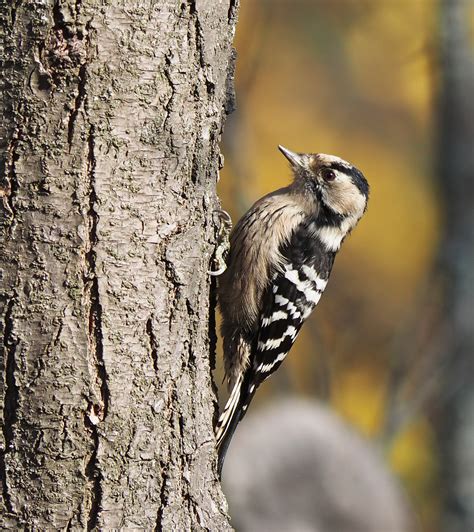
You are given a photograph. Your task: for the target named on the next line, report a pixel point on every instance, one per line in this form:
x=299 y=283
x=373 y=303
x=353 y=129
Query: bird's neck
x=331 y=228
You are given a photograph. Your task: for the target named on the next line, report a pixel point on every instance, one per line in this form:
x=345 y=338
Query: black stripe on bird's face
x=328 y=217
x=354 y=173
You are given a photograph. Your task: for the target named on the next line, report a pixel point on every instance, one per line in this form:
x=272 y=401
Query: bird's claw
x=223 y=244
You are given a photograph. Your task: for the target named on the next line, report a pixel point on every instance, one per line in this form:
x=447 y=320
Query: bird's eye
x=328 y=174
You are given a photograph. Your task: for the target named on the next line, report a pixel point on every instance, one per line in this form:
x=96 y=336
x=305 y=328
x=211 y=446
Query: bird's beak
x=294 y=158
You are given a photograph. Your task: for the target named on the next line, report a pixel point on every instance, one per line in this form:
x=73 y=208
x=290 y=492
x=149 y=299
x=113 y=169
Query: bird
x=281 y=254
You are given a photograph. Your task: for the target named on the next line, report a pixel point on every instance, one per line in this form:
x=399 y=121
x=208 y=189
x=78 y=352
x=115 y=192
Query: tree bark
x=456 y=171
x=109 y=146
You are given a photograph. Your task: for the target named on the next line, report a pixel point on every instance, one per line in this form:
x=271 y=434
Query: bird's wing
x=289 y=300
x=293 y=292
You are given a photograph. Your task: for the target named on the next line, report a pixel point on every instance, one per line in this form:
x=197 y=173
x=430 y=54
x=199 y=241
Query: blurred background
x=389 y=86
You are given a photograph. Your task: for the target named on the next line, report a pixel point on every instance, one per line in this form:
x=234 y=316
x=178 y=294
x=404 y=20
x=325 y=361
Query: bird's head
x=337 y=184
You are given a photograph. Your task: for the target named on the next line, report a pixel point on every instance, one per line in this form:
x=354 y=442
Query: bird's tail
x=233 y=412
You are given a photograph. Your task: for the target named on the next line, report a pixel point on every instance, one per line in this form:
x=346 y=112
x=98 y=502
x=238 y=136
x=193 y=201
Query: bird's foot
x=222 y=244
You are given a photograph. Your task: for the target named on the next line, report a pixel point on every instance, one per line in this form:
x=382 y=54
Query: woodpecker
x=281 y=254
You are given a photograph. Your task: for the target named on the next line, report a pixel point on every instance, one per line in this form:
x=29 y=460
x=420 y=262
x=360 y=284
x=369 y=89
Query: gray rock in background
x=297 y=467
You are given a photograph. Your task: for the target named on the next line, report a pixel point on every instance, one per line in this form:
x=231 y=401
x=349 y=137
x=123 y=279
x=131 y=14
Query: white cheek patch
x=343 y=197
x=331 y=237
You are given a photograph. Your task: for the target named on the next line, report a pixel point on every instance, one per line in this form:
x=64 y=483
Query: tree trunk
x=456 y=164
x=109 y=146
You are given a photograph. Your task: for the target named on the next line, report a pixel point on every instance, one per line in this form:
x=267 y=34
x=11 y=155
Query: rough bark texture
x=109 y=149
x=456 y=162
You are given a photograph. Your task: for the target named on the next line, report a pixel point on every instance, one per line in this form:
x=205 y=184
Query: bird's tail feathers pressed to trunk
x=233 y=412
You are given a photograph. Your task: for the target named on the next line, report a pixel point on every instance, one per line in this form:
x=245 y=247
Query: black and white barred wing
x=290 y=299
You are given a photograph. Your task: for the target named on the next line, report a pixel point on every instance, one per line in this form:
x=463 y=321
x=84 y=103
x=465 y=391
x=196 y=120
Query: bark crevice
x=163 y=497
x=232 y=12
x=81 y=87
x=174 y=291
x=152 y=339
x=10 y=402
x=168 y=106
x=15 y=6
x=96 y=412
x=12 y=178
x=77 y=7
x=93 y=473
x=92 y=284
x=198 y=33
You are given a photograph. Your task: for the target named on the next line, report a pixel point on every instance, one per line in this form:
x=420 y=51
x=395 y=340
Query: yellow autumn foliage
x=355 y=79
